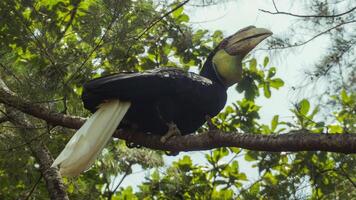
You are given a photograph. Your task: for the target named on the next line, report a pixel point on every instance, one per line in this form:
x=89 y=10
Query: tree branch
x=11 y=99
x=306 y=16
x=153 y=23
x=293 y=141
x=315 y=36
x=160 y=18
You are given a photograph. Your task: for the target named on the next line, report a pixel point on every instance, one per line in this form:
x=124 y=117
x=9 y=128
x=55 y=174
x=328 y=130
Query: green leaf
x=220 y=153
x=344 y=98
x=274 y=122
x=250 y=156
x=155 y=175
x=335 y=129
x=242 y=177
x=183 y=18
x=276 y=83
x=271 y=72
x=177 y=12
x=265 y=61
x=255 y=189
x=235 y=149
x=304 y=107
x=270 y=178
x=253 y=65
x=320 y=125
x=267 y=90
x=314 y=112
x=185 y=161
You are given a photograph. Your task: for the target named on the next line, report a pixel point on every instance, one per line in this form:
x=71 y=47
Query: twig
x=121 y=180
x=348 y=177
x=306 y=16
x=315 y=36
x=160 y=18
x=74 y=74
x=23 y=144
x=275 y=6
x=152 y=24
x=72 y=12
x=33 y=188
x=7 y=69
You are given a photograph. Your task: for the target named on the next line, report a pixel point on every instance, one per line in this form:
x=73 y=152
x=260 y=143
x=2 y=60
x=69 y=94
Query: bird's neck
x=209 y=71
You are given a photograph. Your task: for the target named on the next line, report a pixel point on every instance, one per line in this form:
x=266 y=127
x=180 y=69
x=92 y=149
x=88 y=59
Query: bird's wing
x=142 y=86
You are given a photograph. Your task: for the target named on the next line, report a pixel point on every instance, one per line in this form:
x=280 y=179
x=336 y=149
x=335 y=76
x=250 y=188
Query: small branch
x=306 y=16
x=27 y=142
x=160 y=18
x=152 y=24
x=72 y=12
x=10 y=72
x=121 y=180
x=79 y=69
x=348 y=177
x=33 y=188
x=315 y=36
x=275 y=6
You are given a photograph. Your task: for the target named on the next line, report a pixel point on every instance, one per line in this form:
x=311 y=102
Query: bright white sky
x=229 y=18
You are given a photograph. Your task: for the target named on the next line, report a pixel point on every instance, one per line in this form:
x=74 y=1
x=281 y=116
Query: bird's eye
x=224 y=43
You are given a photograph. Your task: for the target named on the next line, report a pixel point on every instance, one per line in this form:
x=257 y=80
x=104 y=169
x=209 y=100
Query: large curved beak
x=244 y=40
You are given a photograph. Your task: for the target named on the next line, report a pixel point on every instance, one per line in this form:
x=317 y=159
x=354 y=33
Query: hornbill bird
x=164 y=101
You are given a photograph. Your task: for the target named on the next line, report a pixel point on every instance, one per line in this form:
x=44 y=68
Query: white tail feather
x=86 y=144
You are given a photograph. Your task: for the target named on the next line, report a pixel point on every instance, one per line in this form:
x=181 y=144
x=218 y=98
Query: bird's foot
x=210 y=123
x=172 y=131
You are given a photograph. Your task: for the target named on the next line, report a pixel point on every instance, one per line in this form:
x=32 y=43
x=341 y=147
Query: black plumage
x=159 y=97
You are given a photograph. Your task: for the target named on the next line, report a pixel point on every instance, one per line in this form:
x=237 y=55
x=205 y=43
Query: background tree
x=50 y=48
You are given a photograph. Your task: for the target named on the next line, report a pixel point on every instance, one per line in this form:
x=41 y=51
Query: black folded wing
x=144 y=86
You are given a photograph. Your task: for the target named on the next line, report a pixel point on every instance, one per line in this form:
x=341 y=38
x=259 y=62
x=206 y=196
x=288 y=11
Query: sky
x=230 y=17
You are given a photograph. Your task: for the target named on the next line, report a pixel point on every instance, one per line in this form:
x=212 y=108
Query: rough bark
x=293 y=141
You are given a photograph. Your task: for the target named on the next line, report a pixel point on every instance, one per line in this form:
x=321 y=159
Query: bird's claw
x=210 y=123
x=172 y=131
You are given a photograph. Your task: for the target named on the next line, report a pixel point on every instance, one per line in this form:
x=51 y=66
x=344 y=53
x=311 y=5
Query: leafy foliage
x=50 y=48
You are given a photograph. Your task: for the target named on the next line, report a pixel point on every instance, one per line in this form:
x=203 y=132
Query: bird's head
x=227 y=56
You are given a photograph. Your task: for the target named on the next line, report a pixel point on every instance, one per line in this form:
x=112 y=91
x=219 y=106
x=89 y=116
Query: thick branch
x=296 y=141
x=11 y=99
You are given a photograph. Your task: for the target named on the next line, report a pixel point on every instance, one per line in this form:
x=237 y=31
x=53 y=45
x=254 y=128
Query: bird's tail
x=86 y=144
